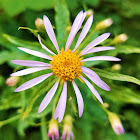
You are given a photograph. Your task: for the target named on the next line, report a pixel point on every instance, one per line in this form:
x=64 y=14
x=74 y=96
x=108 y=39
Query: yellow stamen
x=66 y=65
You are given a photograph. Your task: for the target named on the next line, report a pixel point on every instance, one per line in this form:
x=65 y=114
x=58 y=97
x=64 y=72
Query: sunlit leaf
x=116 y=76
x=62 y=21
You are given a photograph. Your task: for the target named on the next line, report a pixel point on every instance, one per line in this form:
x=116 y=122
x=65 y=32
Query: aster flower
x=67 y=65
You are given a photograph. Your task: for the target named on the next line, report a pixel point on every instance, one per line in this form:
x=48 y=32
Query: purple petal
x=56 y=133
x=49 y=135
x=29 y=63
x=53 y=137
x=63 y=135
x=75 y=28
x=68 y=136
x=79 y=99
x=98 y=49
x=116 y=130
x=50 y=32
x=83 y=18
x=93 y=90
x=48 y=97
x=84 y=31
x=28 y=71
x=71 y=134
x=33 y=82
x=122 y=131
x=44 y=47
x=104 y=58
x=96 y=79
x=87 y=70
x=35 y=53
x=96 y=41
x=60 y=109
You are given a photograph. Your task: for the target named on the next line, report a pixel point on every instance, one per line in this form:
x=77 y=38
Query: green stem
x=23 y=100
x=9 y=120
x=44 y=129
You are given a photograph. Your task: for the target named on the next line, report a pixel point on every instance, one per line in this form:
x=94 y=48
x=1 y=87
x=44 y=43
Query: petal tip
x=16 y=90
x=108 y=89
x=59 y=120
x=80 y=115
x=12 y=61
x=39 y=110
x=20 y=48
x=12 y=74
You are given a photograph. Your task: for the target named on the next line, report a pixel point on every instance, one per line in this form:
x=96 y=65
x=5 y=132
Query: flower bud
x=116 y=123
x=68 y=28
x=106 y=105
x=89 y=13
x=53 y=129
x=12 y=81
x=120 y=38
x=67 y=128
x=104 y=24
x=40 y=24
x=116 y=67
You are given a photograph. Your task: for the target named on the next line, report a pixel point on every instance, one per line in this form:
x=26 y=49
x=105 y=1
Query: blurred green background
x=124 y=97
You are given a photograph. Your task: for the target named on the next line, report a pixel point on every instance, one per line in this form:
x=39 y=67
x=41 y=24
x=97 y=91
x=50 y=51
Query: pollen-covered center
x=66 y=65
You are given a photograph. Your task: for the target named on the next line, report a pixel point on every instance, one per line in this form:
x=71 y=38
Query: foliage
x=18 y=111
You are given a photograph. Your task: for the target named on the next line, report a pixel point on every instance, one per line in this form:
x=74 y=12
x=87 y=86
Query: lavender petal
x=35 y=53
x=50 y=32
x=33 y=82
x=48 y=97
x=75 y=28
x=96 y=41
x=79 y=99
x=93 y=90
x=30 y=63
x=98 y=49
x=28 y=71
x=44 y=47
x=84 y=32
x=60 y=109
x=104 y=58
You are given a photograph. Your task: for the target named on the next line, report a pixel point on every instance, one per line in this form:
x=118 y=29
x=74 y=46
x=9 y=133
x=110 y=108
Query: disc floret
x=66 y=65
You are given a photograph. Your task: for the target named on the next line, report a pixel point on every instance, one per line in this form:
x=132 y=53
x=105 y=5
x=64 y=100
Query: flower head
x=39 y=24
x=104 y=24
x=12 y=81
x=120 y=38
x=116 y=124
x=66 y=64
x=53 y=129
x=67 y=128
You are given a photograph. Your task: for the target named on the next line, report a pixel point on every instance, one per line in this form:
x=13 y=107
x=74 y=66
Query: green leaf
x=116 y=76
x=5 y=56
x=44 y=129
x=4 y=122
x=21 y=6
x=20 y=42
x=62 y=21
x=91 y=2
x=10 y=102
x=34 y=97
x=127 y=49
x=122 y=94
x=36 y=34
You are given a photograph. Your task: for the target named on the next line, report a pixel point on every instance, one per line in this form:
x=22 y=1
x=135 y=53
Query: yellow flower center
x=66 y=65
